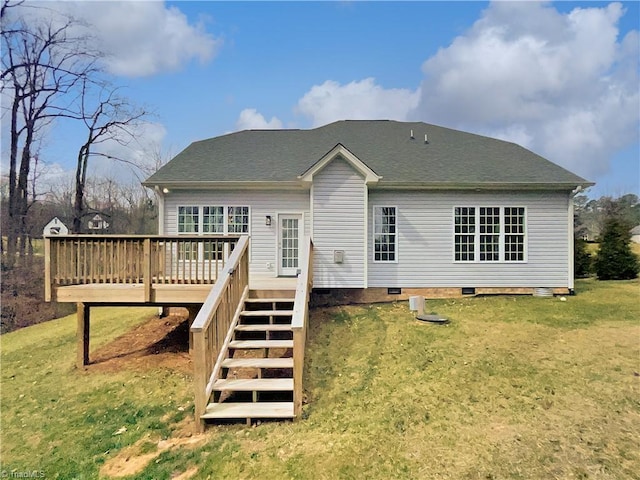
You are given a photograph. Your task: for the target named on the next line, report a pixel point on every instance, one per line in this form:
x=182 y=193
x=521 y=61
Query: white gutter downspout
x=160 y=196
x=570 y=236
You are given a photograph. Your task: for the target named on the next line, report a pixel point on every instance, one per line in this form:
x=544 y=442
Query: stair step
x=269 y=300
x=261 y=344
x=273 y=327
x=249 y=410
x=257 y=363
x=266 y=313
x=254 y=385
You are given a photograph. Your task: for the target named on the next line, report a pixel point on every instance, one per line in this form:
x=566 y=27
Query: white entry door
x=289 y=240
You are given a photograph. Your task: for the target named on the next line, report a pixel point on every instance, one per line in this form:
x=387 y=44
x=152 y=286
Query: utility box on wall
x=338 y=256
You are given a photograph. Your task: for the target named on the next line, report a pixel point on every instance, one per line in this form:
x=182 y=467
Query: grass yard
x=514 y=387
x=593 y=248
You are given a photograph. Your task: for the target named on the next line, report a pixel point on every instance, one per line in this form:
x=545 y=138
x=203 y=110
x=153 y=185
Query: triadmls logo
x=25 y=474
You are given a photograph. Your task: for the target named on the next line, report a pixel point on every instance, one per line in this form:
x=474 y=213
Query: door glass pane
x=289 y=238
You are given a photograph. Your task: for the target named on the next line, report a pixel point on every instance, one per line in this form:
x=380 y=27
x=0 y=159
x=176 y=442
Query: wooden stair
x=256 y=375
x=248 y=410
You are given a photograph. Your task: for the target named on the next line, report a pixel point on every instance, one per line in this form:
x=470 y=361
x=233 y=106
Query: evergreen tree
x=582 y=259
x=615 y=259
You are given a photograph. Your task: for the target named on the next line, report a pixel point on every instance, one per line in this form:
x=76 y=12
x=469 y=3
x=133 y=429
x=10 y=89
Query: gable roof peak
x=340 y=151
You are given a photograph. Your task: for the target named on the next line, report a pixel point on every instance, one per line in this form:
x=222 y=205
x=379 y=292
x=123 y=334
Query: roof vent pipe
x=412 y=137
x=426 y=139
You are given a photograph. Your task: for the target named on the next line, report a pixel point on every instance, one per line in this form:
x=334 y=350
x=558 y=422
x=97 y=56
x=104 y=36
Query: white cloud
x=563 y=85
x=251 y=119
x=139 y=38
x=358 y=100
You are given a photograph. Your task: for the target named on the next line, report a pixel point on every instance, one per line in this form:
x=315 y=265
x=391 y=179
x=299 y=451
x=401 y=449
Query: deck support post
x=48 y=279
x=146 y=269
x=84 y=317
x=200 y=378
x=193 y=312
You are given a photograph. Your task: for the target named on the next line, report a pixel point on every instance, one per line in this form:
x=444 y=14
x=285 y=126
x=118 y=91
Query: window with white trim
x=210 y=219
x=238 y=219
x=385 y=237
x=188 y=219
x=464 y=238
x=514 y=230
x=489 y=226
x=489 y=234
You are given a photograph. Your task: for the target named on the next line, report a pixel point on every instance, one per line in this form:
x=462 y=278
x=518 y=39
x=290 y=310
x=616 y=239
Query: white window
x=385 y=236
x=514 y=230
x=489 y=234
x=188 y=219
x=489 y=225
x=464 y=238
x=238 y=220
x=211 y=220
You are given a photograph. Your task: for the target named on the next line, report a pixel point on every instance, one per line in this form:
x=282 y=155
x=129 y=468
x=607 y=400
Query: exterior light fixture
x=267 y=221
x=165 y=190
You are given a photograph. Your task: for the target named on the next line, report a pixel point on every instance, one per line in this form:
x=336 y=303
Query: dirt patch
x=127 y=463
x=158 y=342
x=187 y=475
x=131 y=460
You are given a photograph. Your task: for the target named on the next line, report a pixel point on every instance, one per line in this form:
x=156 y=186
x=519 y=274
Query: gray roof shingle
x=450 y=157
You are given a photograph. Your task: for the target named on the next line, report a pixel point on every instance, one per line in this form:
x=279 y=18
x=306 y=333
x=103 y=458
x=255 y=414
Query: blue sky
x=560 y=78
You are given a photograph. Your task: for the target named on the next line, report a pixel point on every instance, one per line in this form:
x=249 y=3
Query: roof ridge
x=385 y=146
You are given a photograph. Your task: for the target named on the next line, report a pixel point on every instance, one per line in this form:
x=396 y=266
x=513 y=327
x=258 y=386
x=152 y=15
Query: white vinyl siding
x=339 y=223
x=426 y=233
x=263 y=251
x=424 y=226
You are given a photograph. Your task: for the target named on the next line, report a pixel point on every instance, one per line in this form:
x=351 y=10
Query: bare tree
x=43 y=62
x=112 y=119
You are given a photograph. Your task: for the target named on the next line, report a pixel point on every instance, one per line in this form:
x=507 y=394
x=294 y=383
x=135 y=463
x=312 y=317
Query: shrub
x=583 y=263
x=615 y=260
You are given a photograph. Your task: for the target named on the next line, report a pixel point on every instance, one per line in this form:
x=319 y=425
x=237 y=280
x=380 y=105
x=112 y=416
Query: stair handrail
x=223 y=304
x=299 y=323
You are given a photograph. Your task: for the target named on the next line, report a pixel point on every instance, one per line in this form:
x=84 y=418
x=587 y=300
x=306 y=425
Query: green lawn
x=513 y=387
x=593 y=248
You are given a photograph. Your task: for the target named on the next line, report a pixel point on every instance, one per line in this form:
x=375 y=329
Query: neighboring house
x=55 y=227
x=635 y=234
x=97 y=224
x=392 y=207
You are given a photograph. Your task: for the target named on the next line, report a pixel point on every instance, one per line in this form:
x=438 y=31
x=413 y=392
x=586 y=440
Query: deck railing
x=129 y=259
x=212 y=327
x=299 y=324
